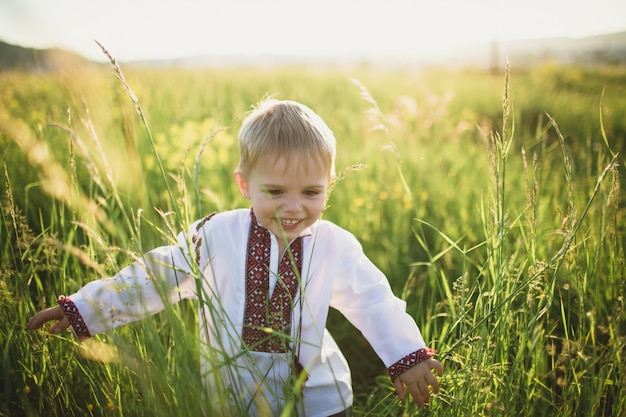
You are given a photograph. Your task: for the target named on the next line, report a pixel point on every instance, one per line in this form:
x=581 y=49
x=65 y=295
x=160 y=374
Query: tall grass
x=506 y=244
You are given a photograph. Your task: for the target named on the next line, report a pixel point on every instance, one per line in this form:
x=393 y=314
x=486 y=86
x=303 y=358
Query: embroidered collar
x=262 y=311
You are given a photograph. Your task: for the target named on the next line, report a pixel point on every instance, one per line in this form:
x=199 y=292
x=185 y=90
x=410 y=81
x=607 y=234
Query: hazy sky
x=144 y=29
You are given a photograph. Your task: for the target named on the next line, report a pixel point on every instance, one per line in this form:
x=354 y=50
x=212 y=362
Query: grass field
x=492 y=202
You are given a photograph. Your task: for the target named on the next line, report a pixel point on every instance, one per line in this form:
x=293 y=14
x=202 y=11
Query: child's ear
x=242 y=183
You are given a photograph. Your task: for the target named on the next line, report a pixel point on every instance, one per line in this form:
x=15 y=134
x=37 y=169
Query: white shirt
x=209 y=265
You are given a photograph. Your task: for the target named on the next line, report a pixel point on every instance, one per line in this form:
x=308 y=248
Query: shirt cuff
x=409 y=361
x=73 y=315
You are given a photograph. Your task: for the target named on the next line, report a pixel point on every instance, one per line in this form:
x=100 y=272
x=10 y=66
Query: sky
x=160 y=29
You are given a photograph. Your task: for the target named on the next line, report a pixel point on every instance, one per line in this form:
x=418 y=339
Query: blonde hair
x=285 y=129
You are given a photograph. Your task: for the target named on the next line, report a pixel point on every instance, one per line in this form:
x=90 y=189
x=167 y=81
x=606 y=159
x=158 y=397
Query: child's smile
x=289 y=223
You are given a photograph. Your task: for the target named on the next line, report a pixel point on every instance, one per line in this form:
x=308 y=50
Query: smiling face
x=287 y=196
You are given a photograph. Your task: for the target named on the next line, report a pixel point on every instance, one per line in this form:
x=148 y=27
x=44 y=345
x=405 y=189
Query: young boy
x=273 y=266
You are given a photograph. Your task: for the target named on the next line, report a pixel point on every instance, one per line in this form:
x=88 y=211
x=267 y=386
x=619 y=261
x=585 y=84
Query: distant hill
x=13 y=57
x=601 y=50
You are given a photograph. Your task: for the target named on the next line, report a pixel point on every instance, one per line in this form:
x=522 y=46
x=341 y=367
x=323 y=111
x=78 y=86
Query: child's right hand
x=50 y=314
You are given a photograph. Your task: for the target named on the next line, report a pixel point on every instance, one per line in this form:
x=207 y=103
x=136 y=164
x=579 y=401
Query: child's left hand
x=417 y=380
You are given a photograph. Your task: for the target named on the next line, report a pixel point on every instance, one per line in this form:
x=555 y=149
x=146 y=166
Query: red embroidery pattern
x=409 y=361
x=261 y=311
x=73 y=315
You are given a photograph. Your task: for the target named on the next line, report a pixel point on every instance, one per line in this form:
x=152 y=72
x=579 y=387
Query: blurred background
x=217 y=33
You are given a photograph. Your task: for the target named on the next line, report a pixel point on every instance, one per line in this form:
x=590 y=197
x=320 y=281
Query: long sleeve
x=363 y=295
x=136 y=292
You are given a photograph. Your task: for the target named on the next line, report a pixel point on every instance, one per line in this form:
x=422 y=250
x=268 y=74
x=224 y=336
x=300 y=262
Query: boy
x=274 y=266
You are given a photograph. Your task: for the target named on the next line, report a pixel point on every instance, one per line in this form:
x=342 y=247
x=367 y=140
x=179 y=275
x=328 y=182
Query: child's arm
x=417 y=380
x=136 y=292
x=362 y=293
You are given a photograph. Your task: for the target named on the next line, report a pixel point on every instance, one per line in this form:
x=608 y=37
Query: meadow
x=492 y=201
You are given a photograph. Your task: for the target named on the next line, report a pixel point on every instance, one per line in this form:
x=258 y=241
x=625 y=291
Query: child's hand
x=417 y=379
x=50 y=314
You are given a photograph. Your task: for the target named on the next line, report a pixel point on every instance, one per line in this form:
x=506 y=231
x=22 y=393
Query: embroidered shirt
x=327 y=269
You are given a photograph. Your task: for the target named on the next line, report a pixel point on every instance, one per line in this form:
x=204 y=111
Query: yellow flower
x=90 y=406
x=407 y=202
x=26 y=389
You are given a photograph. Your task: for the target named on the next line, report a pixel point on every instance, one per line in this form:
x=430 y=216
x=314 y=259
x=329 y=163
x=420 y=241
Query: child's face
x=287 y=196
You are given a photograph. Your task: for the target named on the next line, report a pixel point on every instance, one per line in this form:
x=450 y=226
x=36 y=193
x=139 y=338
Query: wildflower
x=407 y=202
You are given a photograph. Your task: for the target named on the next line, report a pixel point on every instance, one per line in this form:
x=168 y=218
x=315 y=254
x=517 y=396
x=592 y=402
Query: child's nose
x=292 y=204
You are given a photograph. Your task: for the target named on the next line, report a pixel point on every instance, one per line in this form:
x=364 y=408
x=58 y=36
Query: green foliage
x=493 y=205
